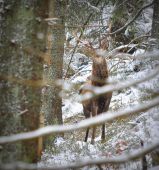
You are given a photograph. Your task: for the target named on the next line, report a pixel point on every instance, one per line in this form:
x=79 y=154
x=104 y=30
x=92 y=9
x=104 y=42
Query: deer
x=99 y=77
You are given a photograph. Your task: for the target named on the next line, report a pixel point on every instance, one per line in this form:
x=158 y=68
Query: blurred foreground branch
x=98 y=120
x=96 y=91
x=87 y=161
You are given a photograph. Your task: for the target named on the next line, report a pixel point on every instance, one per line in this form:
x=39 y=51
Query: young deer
x=99 y=76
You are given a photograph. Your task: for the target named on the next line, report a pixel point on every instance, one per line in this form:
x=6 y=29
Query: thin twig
x=77 y=43
x=136 y=38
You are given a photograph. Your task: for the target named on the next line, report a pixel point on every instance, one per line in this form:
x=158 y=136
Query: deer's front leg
x=87 y=132
x=94 y=113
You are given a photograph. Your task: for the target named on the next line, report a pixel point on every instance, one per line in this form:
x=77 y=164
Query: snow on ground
x=71 y=108
x=122 y=137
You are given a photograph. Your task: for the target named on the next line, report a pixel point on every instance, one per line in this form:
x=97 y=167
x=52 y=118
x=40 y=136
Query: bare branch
x=25 y=82
x=23 y=112
x=98 y=120
x=80 y=36
x=139 y=37
x=132 y=20
x=115 y=54
x=93 y=7
x=87 y=162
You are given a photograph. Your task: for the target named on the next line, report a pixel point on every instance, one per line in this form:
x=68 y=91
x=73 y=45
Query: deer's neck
x=99 y=71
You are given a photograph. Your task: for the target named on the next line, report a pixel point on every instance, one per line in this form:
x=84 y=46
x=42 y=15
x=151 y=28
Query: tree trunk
x=23 y=38
x=155 y=23
x=52 y=102
x=155 y=34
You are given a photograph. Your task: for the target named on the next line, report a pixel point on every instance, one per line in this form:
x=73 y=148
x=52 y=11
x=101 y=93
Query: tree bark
x=52 y=102
x=23 y=28
x=155 y=23
x=155 y=34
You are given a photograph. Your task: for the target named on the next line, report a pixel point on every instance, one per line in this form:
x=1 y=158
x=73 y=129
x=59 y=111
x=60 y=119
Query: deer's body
x=101 y=103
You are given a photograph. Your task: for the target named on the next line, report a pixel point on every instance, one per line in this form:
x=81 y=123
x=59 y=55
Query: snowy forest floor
x=122 y=135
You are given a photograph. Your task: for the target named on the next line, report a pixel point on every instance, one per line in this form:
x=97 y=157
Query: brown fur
x=101 y=103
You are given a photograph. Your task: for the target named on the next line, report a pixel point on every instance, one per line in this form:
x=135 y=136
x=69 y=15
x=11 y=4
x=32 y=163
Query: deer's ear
x=104 y=44
x=80 y=91
x=89 y=77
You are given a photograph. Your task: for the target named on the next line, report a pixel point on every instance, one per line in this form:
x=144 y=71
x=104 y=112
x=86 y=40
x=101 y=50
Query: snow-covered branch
x=83 y=124
x=96 y=91
x=87 y=161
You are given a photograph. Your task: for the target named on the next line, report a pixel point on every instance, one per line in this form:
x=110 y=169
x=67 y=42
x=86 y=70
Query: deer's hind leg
x=93 y=135
x=103 y=133
x=87 y=114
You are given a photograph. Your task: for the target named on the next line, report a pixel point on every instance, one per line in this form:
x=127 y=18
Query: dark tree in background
x=155 y=34
x=22 y=34
x=155 y=23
